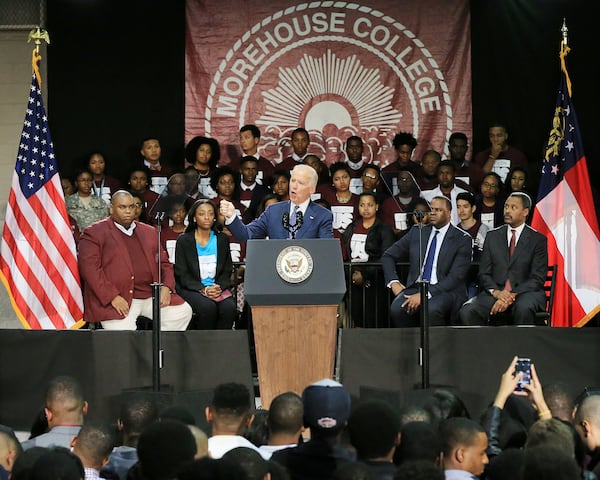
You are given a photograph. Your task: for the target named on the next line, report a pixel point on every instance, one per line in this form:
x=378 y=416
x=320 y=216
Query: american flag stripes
x=38 y=262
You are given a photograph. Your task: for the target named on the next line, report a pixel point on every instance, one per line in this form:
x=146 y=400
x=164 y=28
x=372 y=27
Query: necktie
x=511 y=250
x=293 y=220
x=428 y=267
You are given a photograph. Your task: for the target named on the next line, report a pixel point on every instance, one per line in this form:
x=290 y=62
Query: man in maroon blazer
x=118 y=264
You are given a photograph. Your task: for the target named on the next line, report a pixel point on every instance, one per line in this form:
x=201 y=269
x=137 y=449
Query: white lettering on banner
x=337 y=92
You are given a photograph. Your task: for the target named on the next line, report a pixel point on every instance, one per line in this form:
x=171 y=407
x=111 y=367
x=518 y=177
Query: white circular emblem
x=294 y=264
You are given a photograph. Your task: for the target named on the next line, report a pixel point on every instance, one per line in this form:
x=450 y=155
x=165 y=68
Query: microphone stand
x=157 y=352
x=424 y=312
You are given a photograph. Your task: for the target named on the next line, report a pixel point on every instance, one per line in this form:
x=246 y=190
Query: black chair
x=549 y=286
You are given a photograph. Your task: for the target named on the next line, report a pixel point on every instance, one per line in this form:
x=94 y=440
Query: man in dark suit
x=445 y=253
x=117 y=262
x=305 y=219
x=512 y=269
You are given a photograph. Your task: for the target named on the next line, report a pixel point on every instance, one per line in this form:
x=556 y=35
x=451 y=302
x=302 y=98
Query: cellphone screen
x=523 y=365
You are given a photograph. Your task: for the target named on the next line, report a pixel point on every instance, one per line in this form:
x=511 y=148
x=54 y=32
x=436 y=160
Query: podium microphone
x=285 y=221
x=299 y=220
x=159 y=217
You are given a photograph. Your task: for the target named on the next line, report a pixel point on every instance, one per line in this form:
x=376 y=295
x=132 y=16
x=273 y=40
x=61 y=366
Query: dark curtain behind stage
x=116 y=75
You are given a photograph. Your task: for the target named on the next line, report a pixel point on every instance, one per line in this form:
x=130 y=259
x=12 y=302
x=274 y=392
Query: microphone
x=299 y=219
x=159 y=216
x=417 y=213
x=285 y=221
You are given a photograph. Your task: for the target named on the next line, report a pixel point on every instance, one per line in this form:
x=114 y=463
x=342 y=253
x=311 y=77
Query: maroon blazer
x=107 y=270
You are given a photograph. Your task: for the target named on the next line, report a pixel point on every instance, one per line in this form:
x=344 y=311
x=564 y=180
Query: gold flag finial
x=565 y=32
x=37 y=35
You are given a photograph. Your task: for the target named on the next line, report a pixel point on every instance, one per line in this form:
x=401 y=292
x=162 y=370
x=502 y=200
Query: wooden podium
x=294 y=311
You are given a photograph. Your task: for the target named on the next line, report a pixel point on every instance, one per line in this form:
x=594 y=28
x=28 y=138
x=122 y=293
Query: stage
x=376 y=361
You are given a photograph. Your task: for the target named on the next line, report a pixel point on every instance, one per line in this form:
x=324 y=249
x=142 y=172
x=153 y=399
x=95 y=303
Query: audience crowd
x=527 y=432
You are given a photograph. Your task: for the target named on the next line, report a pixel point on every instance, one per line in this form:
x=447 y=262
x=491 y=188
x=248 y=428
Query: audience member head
x=224 y=181
x=203 y=153
x=201 y=210
x=136 y=414
x=96 y=164
x=249 y=169
x=430 y=161
x=340 y=176
x=252 y=463
x=465 y=206
x=319 y=167
x=516 y=180
x=192 y=178
x=57 y=463
x=249 y=139
x=414 y=413
x=419 y=470
x=10 y=448
x=587 y=421
x=552 y=433
x=280 y=184
x=83 y=182
x=303 y=183
x=441 y=209
x=549 y=463
x=404 y=143
x=458 y=146
x=68 y=187
x=354 y=149
x=300 y=141
x=516 y=209
x=491 y=186
x=285 y=418
x=93 y=445
x=268 y=200
x=258 y=431
x=138 y=180
x=21 y=469
x=374 y=429
x=418 y=441
x=445 y=404
x=407 y=185
x=371 y=177
x=464 y=444
x=326 y=408
x=164 y=447
x=506 y=466
x=65 y=404
x=230 y=411
x=560 y=400
x=122 y=208
x=498 y=134
x=446 y=172
x=150 y=150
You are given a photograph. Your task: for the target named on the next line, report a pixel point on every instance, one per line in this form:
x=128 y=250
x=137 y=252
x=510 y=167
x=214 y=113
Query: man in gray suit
x=445 y=254
x=512 y=269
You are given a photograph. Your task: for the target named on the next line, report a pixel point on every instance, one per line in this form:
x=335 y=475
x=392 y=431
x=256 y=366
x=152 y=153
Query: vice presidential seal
x=294 y=264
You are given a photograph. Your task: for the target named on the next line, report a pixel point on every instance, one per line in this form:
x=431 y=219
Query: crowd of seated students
x=398 y=190
x=529 y=431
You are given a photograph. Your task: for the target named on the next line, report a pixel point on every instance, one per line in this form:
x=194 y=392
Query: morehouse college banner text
x=338 y=69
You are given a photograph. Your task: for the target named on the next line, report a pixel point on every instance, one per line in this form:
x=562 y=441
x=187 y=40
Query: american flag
x=565 y=213
x=38 y=263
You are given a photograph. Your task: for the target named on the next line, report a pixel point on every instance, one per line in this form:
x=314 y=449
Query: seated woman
x=365 y=240
x=203 y=268
x=84 y=207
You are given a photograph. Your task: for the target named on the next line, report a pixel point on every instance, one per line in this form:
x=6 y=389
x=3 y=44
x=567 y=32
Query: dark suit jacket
x=187 y=270
x=526 y=269
x=317 y=224
x=453 y=262
x=107 y=270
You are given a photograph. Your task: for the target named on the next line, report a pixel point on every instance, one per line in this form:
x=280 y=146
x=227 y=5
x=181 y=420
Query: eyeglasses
x=370 y=175
x=489 y=185
x=137 y=205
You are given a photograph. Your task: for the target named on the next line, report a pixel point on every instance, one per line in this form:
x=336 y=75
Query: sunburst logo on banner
x=355 y=95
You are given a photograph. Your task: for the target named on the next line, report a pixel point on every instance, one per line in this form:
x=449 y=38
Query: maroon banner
x=335 y=68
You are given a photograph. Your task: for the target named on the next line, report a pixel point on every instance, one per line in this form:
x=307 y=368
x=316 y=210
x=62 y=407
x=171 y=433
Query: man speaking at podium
x=298 y=218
